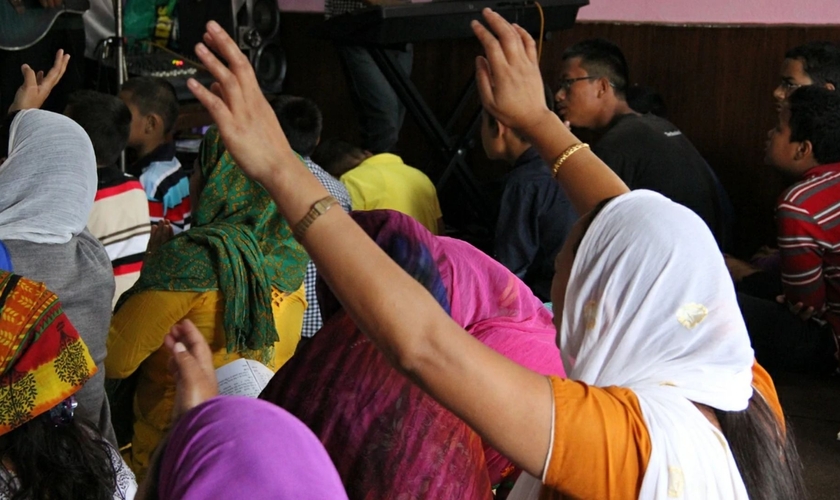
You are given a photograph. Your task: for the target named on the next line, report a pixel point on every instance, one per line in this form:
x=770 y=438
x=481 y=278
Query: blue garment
x=535 y=217
x=5 y=258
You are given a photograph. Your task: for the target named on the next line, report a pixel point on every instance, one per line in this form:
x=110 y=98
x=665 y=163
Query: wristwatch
x=318 y=209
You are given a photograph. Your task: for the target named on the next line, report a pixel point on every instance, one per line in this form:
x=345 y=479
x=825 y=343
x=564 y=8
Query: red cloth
x=808 y=221
x=387 y=438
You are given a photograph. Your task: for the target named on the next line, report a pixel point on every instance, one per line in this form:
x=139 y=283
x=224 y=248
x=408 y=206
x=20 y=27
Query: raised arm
x=396 y=312
x=511 y=90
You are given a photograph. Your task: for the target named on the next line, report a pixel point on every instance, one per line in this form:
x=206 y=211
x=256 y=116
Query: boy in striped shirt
x=805 y=144
x=120 y=215
x=154 y=109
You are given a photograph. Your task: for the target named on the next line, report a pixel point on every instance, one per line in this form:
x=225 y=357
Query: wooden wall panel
x=716 y=81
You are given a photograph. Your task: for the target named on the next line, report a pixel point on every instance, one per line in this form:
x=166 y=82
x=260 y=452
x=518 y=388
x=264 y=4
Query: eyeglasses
x=788 y=87
x=567 y=83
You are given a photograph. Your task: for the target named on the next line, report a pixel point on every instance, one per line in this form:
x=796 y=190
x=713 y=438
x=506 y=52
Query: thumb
x=186 y=365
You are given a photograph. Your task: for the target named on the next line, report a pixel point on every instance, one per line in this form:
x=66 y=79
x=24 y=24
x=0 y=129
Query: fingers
x=218 y=39
x=529 y=44
x=484 y=81
x=780 y=299
x=186 y=334
x=492 y=49
x=30 y=79
x=508 y=37
x=215 y=105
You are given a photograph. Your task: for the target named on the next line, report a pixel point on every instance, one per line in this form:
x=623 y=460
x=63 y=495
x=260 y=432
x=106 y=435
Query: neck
x=614 y=109
x=148 y=148
x=514 y=151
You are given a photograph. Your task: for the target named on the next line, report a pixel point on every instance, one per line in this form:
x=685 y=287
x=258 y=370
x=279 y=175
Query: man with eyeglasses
x=814 y=63
x=646 y=151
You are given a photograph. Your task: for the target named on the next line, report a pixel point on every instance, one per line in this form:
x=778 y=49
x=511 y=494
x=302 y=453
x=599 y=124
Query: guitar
x=23 y=23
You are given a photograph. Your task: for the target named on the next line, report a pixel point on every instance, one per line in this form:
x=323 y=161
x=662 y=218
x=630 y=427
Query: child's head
x=301 y=120
x=503 y=143
x=338 y=157
x=107 y=121
x=154 y=109
x=807 y=133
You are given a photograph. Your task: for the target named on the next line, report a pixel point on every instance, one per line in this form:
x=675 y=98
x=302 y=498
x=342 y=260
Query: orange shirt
x=601 y=444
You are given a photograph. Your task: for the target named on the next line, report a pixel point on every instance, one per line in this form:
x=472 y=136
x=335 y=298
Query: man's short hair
x=603 y=59
x=820 y=60
x=301 y=121
x=337 y=156
x=105 y=118
x=815 y=117
x=154 y=95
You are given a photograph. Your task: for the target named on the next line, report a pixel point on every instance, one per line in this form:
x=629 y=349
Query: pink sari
x=387 y=438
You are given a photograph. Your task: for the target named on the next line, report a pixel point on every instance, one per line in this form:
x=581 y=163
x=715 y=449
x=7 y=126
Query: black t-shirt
x=648 y=152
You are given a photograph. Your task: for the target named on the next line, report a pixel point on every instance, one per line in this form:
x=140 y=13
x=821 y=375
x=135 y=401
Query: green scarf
x=238 y=244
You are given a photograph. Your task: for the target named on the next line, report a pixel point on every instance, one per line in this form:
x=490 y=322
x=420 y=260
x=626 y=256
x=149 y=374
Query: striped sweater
x=167 y=187
x=120 y=221
x=808 y=222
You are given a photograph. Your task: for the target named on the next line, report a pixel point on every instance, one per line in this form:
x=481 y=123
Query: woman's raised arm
x=506 y=404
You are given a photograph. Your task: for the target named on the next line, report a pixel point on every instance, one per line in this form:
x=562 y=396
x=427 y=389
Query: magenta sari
x=387 y=438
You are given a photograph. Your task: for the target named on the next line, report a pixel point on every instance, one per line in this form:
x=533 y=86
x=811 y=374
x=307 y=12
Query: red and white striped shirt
x=808 y=222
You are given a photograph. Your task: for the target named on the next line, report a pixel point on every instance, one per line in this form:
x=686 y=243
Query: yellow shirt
x=383 y=181
x=135 y=341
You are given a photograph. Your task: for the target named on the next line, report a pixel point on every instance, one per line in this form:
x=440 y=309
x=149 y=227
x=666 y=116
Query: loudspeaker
x=254 y=24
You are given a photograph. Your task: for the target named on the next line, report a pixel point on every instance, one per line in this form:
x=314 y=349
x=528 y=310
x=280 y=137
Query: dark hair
x=337 y=156
x=645 y=100
x=764 y=452
x=105 y=118
x=820 y=60
x=154 y=95
x=603 y=59
x=815 y=117
x=50 y=462
x=301 y=121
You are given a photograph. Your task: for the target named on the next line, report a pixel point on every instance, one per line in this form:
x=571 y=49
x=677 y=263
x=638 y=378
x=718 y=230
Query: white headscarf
x=650 y=306
x=48 y=182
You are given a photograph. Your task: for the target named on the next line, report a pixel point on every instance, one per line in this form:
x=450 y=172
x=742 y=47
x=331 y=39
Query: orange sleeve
x=600 y=445
x=764 y=385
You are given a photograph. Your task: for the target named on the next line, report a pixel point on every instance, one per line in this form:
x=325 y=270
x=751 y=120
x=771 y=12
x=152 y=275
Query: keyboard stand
x=451 y=146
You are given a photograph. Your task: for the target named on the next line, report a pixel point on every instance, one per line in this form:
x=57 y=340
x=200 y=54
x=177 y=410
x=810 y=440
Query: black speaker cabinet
x=254 y=24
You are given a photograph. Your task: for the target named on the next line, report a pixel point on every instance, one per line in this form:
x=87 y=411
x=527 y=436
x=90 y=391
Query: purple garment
x=237 y=447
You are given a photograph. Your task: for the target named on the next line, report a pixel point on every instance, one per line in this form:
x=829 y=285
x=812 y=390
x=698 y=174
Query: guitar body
x=21 y=30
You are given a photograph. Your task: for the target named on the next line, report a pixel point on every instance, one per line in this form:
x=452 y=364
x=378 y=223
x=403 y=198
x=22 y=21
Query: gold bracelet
x=574 y=148
x=318 y=209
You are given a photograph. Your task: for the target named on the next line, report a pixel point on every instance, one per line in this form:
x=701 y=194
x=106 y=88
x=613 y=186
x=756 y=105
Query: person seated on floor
x=646 y=151
x=535 y=215
x=805 y=146
x=237 y=274
x=354 y=416
x=813 y=63
x=381 y=181
x=48 y=174
x=302 y=121
x=663 y=390
x=154 y=109
x=243 y=446
x=48 y=449
x=120 y=215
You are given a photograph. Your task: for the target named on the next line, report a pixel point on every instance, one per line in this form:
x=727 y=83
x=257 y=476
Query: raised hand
x=508 y=75
x=192 y=366
x=161 y=233
x=247 y=124
x=37 y=87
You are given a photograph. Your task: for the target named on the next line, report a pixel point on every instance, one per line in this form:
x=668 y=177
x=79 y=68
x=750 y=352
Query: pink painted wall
x=681 y=11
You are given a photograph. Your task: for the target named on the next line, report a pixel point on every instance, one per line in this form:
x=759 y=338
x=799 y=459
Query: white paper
x=243 y=377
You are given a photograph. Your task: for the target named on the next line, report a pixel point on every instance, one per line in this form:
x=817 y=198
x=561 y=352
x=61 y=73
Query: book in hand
x=243 y=377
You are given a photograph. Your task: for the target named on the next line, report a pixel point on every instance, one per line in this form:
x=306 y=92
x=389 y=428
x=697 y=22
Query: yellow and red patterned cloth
x=42 y=359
